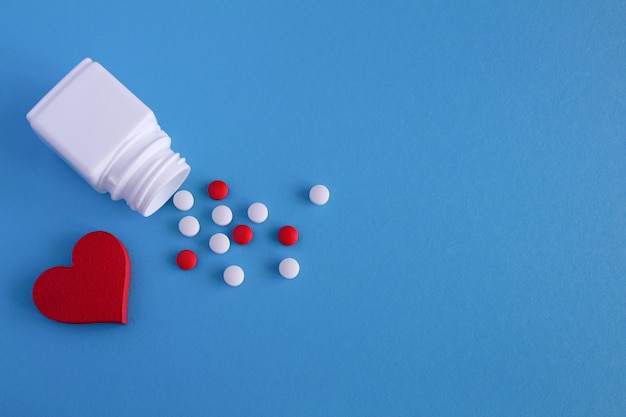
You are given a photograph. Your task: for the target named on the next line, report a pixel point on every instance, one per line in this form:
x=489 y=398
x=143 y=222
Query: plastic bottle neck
x=145 y=172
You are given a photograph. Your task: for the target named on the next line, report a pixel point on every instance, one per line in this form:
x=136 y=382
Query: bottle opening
x=165 y=192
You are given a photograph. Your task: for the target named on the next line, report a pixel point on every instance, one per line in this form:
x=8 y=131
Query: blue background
x=471 y=260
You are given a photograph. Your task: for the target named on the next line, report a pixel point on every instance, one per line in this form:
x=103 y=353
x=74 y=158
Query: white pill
x=319 y=195
x=289 y=268
x=189 y=226
x=233 y=275
x=257 y=212
x=183 y=200
x=222 y=215
x=219 y=243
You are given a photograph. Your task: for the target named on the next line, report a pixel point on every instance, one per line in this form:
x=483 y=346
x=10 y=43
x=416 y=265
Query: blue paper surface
x=472 y=257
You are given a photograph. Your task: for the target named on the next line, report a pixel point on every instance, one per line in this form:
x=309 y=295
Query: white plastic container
x=109 y=137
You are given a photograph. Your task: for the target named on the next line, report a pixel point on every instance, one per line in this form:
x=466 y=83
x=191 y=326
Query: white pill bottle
x=109 y=137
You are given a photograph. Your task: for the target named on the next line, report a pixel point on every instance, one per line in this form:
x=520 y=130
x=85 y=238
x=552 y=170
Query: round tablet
x=242 y=234
x=257 y=212
x=287 y=235
x=217 y=190
x=219 y=243
x=233 y=275
x=189 y=226
x=186 y=259
x=289 y=268
x=183 y=200
x=319 y=195
x=222 y=215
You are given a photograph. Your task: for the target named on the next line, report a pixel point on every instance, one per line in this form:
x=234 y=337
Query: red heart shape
x=93 y=290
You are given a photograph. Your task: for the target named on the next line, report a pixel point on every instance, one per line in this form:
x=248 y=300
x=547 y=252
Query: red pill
x=287 y=235
x=186 y=259
x=242 y=234
x=217 y=190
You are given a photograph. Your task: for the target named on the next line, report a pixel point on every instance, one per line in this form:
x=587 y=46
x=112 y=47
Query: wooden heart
x=93 y=290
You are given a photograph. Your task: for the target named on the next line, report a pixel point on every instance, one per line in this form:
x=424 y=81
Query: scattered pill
x=189 y=226
x=242 y=234
x=186 y=259
x=233 y=275
x=219 y=243
x=289 y=268
x=287 y=235
x=222 y=215
x=319 y=195
x=183 y=200
x=217 y=190
x=257 y=212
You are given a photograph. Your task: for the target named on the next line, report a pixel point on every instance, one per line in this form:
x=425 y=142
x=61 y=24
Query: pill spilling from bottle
x=217 y=190
x=287 y=235
x=222 y=215
x=233 y=275
x=189 y=226
x=186 y=259
x=242 y=234
x=219 y=243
